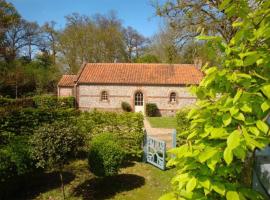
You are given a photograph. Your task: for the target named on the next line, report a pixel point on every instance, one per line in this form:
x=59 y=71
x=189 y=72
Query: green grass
x=135 y=181
x=163 y=122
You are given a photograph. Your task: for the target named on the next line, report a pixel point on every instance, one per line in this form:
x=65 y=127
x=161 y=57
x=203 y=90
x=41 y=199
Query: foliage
x=183 y=124
x=128 y=127
x=126 y=106
x=152 y=110
x=54 y=144
x=25 y=102
x=52 y=102
x=15 y=158
x=147 y=58
x=106 y=155
x=229 y=122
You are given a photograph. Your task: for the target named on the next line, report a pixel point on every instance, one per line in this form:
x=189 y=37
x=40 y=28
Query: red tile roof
x=138 y=73
x=67 y=80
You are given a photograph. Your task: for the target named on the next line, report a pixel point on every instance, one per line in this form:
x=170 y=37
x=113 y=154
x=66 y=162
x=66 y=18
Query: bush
x=15 y=158
x=106 y=155
x=126 y=106
x=127 y=126
x=9 y=103
x=183 y=125
x=152 y=110
x=47 y=101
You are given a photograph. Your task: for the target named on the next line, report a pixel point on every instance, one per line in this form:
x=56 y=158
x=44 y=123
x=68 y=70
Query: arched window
x=173 y=97
x=104 y=96
x=139 y=99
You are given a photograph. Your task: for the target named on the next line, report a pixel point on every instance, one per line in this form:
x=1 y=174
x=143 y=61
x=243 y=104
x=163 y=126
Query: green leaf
x=251 y=58
x=266 y=90
x=228 y=156
x=219 y=188
x=246 y=108
x=233 y=140
x=210 y=70
x=205 y=183
x=239 y=153
x=237 y=96
x=218 y=133
x=262 y=126
x=207 y=153
x=265 y=105
x=232 y=195
x=239 y=116
x=234 y=110
x=191 y=184
x=226 y=119
x=254 y=130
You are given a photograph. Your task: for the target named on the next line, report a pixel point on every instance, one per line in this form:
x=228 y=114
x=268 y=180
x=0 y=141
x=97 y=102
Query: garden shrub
x=127 y=126
x=23 y=102
x=47 y=101
x=183 y=125
x=152 y=110
x=126 y=106
x=15 y=158
x=106 y=155
x=25 y=120
x=53 y=145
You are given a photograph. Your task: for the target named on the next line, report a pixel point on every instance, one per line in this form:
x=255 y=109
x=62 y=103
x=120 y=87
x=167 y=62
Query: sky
x=136 y=13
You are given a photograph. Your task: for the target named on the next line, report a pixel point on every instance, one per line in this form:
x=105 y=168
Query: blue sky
x=136 y=13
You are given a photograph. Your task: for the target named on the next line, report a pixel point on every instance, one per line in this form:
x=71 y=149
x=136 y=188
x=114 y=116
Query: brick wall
x=65 y=91
x=89 y=97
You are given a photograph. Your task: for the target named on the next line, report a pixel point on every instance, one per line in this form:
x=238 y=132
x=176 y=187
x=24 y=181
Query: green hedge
x=106 y=155
x=126 y=126
x=43 y=101
x=46 y=101
x=126 y=106
x=152 y=110
x=24 y=102
x=182 y=125
x=22 y=121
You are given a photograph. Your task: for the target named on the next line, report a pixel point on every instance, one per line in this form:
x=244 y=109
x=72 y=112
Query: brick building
x=105 y=86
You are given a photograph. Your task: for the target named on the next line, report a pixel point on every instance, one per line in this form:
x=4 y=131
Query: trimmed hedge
x=126 y=106
x=128 y=127
x=24 y=102
x=106 y=155
x=152 y=110
x=46 y=101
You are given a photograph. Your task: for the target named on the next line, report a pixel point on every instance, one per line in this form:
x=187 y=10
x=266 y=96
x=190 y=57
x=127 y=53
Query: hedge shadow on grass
x=107 y=187
x=29 y=187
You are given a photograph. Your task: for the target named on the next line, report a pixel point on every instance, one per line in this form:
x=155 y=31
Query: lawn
x=163 y=122
x=136 y=181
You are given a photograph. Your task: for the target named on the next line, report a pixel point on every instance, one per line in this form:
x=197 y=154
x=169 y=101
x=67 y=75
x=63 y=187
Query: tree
x=189 y=16
x=91 y=39
x=20 y=35
x=8 y=17
x=135 y=43
x=164 y=46
x=50 y=38
x=54 y=144
x=229 y=122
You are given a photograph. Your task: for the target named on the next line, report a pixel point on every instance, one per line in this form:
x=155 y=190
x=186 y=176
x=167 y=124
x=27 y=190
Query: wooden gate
x=155 y=151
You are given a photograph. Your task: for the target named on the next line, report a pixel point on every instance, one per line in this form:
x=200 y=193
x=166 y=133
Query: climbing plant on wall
x=229 y=122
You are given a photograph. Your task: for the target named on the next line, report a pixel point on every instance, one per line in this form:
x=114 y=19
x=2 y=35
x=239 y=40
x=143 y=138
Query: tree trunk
x=62 y=183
